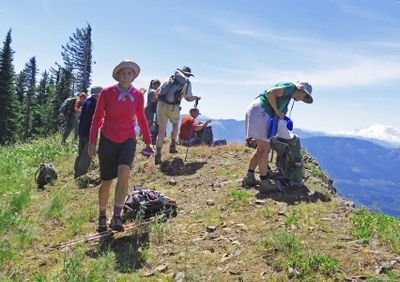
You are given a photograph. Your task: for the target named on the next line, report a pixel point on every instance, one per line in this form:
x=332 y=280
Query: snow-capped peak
x=380 y=132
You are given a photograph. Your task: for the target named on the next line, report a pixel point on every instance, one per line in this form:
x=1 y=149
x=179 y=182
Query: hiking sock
x=102 y=211
x=118 y=209
x=250 y=171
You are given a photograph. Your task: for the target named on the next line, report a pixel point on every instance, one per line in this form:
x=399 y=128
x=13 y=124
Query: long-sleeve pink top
x=116 y=119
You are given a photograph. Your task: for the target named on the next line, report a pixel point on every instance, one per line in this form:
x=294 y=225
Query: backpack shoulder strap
x=291 y=108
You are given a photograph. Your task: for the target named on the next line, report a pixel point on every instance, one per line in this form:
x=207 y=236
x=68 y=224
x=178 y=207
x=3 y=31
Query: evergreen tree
x=77 y=54
x=29 y=105
x=43 y=108
x=20 y=86
x=62 y=88
x=54 y=119
x=8 y=101
x=53 y=107
x=49 y=101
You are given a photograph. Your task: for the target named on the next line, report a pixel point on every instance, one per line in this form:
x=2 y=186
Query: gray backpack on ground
x=171 y=91
x=288 y=161
x=45 y=174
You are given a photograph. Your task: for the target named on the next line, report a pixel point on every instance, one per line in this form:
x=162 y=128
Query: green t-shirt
x=282 y=102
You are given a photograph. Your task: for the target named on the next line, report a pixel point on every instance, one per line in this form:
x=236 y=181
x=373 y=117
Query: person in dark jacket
x=82 y=160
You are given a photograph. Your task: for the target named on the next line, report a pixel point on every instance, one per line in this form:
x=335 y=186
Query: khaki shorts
x=257 y=122
x=167 y=112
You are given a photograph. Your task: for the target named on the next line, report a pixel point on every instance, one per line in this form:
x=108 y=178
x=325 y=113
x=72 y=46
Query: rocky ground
x=222 y=232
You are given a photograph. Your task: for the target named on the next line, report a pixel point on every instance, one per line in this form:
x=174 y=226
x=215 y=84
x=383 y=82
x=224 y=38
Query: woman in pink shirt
x=115 y=113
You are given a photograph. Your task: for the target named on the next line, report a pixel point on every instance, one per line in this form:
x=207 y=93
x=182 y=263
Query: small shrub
x=324 y=264
x=239 y=198
x=293 y=218
x=159 y=228
x=386 y=228
x=295 y=256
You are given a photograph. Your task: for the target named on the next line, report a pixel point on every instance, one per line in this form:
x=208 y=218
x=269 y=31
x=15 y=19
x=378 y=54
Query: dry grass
x=301 y=235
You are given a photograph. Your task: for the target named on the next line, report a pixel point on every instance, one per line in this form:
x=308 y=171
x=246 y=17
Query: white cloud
x=368 y=72
x=329 y=64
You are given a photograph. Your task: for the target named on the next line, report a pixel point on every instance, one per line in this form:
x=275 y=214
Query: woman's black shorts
x=111 y=155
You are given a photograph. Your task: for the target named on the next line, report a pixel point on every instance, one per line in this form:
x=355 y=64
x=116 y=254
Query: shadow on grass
x=294 y=195
x=130 y=251
x=177 y=166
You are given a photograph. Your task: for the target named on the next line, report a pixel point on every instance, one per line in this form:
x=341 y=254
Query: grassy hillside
x=222 y=232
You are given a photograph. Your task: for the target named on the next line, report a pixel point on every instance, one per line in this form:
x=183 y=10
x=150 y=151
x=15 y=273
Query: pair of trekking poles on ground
x=147 y=153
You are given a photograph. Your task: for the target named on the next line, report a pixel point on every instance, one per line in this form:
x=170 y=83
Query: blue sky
x=349 y=50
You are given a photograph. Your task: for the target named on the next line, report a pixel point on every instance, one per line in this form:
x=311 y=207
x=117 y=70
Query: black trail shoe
x=116 y=224
x=102 y=224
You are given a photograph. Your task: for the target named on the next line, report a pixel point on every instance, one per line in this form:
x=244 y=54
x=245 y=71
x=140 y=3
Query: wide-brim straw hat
x=126 y=64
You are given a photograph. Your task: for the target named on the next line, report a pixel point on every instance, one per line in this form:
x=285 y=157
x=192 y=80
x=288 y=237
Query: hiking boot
x=250 y=180
x=172 y=148
x=157 y=159
x=102 y=224
x=266 y=186
x=116 y=224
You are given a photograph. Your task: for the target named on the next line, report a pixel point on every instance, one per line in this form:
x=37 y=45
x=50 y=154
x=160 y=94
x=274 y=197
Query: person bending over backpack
x=189 y=127
x=272 y=102
x=119 y=105
x=168 y=108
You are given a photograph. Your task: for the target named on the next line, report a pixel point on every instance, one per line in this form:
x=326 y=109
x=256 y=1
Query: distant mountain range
x=364 y=164
x=362 y=171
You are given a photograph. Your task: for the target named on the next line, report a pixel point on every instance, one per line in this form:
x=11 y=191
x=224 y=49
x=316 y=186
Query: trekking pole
x=191 y=130
x=100 y=235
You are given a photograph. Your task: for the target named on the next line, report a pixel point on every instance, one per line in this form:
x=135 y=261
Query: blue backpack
x=206 y=136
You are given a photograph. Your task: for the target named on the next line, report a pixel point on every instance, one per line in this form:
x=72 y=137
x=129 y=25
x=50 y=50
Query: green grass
x=18 y=164
x=159 y=229
x=303 y=246
x=365 y=225
x=299 y=260
x=57 y=203
x=293 y=218
x=239 y=198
